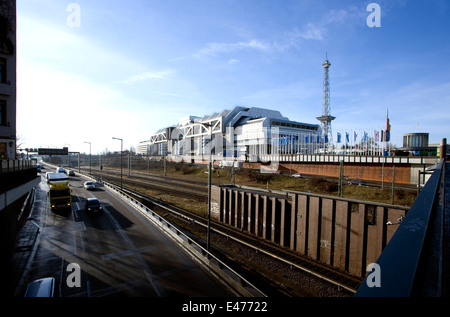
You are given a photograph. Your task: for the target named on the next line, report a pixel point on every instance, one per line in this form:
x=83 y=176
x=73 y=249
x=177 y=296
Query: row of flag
x=377 y=136
x=382 y=136
x=385 y=134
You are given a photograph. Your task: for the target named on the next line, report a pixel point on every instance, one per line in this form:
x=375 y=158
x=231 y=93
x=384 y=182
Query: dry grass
x=275 y=182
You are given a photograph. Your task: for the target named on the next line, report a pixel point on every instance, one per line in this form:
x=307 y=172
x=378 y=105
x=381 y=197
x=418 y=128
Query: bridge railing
x=411 y=264
x=14 y=173
x=15 y=165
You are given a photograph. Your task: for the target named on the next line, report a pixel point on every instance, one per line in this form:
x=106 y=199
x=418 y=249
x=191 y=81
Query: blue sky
x=133 y=67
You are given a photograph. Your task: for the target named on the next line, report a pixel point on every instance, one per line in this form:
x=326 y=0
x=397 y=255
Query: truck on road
x=59 y=191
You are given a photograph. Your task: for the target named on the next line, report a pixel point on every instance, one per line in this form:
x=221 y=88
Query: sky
x=91 y=70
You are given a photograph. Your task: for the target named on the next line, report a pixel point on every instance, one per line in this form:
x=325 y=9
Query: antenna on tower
x=326 y=117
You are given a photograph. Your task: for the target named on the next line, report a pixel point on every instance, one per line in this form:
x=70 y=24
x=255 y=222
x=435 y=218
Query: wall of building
x=415 y=140
x=240 y=132
x=8 y=79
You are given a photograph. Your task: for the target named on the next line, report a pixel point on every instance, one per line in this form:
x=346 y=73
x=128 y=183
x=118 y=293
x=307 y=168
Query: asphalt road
x=114 y=253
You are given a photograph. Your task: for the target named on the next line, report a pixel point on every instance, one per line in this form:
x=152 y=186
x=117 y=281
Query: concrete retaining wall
x=344 y=233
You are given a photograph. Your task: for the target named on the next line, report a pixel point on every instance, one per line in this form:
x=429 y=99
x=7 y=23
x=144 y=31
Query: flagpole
x=388 y=128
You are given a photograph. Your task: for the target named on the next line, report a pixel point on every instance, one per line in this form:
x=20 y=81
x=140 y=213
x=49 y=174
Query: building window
x=2 y=112
x=3 y=148
x=2 y=70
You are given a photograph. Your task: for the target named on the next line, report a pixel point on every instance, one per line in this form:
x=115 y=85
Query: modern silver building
x=239 y=134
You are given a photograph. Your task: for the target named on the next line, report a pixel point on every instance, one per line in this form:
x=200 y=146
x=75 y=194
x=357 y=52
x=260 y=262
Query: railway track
x=294 y=261
x=190 y=189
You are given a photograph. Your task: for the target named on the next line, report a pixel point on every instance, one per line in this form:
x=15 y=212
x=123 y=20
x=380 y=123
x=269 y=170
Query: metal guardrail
x=411 y=264
x=227 y=273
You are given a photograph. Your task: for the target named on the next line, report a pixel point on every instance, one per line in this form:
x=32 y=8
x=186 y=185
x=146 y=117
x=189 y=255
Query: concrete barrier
x=344 y=233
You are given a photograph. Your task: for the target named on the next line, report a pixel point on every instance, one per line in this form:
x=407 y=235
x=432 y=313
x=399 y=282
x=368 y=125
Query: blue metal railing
x=411 y=264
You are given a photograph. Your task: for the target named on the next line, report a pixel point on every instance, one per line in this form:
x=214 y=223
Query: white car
x=296 y=175
x=89 y=185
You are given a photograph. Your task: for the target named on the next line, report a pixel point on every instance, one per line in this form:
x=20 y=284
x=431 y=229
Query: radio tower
x=326 y=117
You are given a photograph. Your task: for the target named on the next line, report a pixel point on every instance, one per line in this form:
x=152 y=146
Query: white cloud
x=162 y=74
x=311 y=32
x=350 y=15
x=214 y=49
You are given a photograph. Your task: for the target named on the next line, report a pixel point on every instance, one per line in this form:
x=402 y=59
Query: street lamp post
x=209 y=188
x=90 y=168
x=208 y=236
x=121 y=150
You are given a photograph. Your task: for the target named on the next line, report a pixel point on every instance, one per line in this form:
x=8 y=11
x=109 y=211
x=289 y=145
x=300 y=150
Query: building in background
x=417 y=144
x=239 y=134
x=8 y=79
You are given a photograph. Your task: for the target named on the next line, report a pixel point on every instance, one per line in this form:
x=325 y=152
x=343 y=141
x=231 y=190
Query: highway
x=118 y=251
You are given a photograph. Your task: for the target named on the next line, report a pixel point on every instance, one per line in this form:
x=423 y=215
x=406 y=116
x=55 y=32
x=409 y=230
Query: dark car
x=358 y=182
x=93 y=205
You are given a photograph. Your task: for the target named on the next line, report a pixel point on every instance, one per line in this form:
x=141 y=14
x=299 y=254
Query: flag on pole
x=388 y=127
x=338 y=138
x=388 y=124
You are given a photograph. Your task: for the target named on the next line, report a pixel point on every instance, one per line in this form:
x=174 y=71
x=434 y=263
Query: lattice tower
x=326 y=117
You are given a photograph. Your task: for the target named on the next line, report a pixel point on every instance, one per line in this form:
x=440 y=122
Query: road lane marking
x=177 y=270
x=88 y=288
x=108 y=291
x=148 y=272
x=110 y=256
